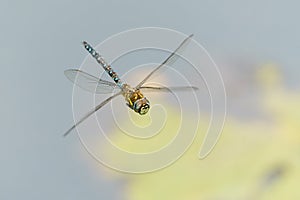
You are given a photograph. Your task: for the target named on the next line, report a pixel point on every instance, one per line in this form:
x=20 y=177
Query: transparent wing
x=91 y=112
x=88 y=82
x=167 y=89
x=169 y=61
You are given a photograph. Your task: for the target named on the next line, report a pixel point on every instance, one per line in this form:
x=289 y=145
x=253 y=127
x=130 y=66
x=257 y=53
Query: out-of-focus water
x=39 y=40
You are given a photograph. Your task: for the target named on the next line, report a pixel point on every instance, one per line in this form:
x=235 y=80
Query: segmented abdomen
x=103 y=63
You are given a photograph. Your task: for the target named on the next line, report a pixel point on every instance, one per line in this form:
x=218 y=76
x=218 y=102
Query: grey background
x=40 y=39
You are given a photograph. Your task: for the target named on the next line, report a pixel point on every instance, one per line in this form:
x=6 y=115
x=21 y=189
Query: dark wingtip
x=65 y=134
x=68 y=131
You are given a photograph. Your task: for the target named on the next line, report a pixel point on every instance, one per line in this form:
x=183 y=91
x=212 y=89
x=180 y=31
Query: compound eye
x=144 y=109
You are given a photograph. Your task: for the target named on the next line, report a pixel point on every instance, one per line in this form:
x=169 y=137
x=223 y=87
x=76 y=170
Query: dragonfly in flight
x=133 y=95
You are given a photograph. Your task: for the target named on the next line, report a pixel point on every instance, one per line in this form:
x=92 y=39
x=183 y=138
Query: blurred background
x=255 y=45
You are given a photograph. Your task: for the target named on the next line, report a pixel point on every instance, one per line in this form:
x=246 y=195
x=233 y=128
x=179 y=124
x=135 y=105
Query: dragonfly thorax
x=136 y=100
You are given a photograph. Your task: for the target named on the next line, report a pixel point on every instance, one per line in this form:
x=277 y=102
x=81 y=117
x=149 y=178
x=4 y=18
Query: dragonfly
x=134 y=97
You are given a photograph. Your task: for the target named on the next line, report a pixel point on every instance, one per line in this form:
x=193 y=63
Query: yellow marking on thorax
x=132 y=97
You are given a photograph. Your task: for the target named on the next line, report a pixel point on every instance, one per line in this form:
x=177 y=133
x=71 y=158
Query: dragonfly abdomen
x=103 y=63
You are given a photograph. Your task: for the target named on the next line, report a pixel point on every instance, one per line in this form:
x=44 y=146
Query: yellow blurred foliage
x=257 y=159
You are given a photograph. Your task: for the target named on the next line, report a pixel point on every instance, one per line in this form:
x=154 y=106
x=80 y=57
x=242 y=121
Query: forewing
x=91 y=112
x=169 y=61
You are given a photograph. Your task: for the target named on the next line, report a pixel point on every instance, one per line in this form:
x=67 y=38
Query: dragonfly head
x=141 y=106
